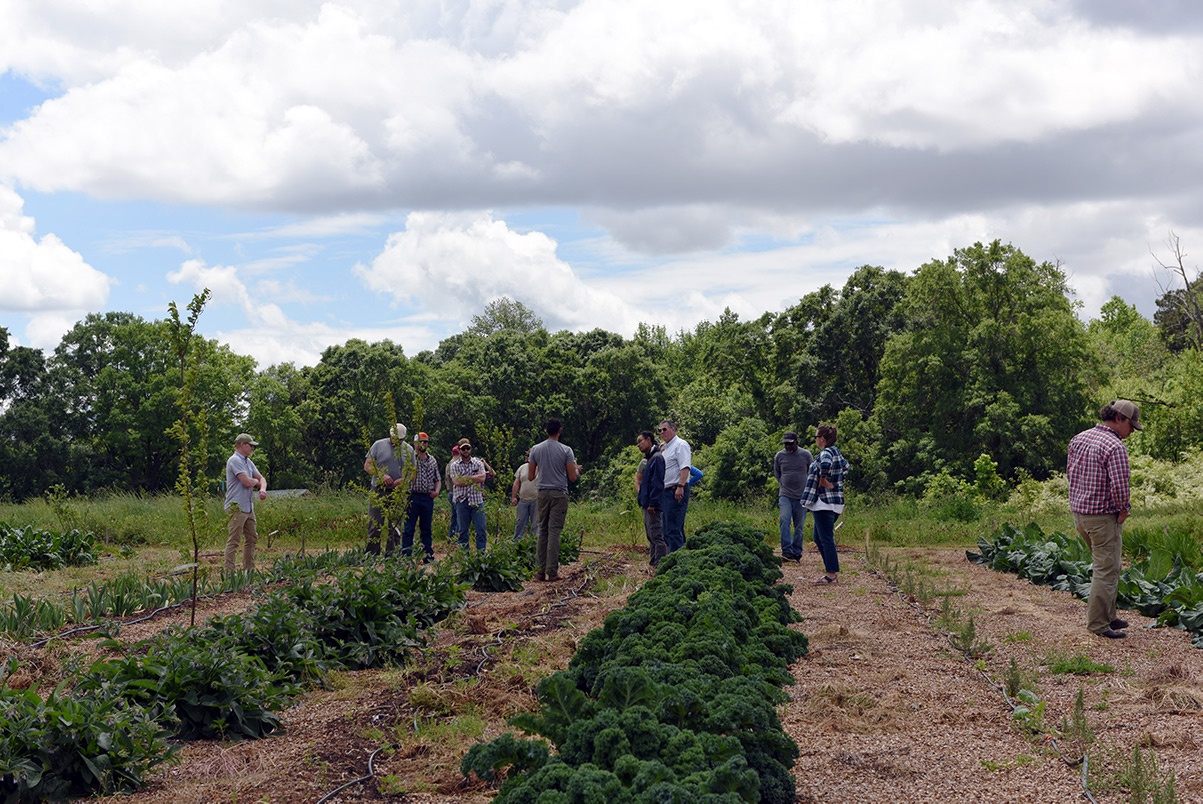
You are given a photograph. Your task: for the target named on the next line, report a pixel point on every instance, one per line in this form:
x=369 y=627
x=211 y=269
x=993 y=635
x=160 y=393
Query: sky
x=383 y=169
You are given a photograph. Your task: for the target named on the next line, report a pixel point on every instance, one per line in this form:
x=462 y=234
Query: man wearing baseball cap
x=467 y=475
x=243 y=484
x=791 y=467
x=423 y=490
x=1100 y=498
x=389 y=462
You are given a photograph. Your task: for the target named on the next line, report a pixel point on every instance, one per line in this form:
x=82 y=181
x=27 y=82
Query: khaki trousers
x=1104 y=535
x=241 y=527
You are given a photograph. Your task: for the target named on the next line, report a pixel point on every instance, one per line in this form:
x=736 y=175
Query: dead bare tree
x=1186 y=303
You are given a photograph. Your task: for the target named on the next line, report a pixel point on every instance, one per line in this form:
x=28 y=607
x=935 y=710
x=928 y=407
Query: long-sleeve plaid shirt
x=1098 y=472
x=829 y=465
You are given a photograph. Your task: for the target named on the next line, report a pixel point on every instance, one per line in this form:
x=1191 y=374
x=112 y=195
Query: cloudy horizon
x=384 y=170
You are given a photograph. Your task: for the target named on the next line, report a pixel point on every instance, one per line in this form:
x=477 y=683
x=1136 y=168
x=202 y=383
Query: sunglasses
x=662 y=429
x=465 y=449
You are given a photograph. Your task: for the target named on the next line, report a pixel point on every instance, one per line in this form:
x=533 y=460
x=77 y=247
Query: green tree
x=277 y=396
x=116 y=381
x=740 y=462
x=991 y=361
x=505 y=315
x=353 y=393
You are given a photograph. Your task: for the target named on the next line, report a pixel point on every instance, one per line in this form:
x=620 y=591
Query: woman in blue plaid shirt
x=824 y=498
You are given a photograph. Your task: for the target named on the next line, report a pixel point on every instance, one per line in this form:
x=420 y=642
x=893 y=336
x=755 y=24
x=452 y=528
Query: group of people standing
x=662 y=485
x=407 y=478
x=1097 y=472
x=806 y=483
x=540 y=493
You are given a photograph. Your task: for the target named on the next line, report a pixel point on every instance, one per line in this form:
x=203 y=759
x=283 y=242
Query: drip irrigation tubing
x=498 y=640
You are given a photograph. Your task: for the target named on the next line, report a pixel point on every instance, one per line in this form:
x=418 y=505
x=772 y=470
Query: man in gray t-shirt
x=243 y=485
x=390 y=463
x=554 y=465
x=791 y=466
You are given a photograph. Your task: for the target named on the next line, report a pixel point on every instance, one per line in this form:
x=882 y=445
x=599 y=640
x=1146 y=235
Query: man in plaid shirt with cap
x=1099 y=496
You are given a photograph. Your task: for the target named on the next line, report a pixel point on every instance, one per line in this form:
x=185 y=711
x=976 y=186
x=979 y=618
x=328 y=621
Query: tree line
x=981 y=353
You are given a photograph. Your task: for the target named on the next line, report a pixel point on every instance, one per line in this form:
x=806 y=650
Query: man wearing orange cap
x=423 y=490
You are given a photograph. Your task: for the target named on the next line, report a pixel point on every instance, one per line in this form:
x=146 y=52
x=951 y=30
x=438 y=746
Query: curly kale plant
x=674 y=698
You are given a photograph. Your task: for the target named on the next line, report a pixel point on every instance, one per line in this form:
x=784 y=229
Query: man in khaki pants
x=242 y=482
x=1100 y=498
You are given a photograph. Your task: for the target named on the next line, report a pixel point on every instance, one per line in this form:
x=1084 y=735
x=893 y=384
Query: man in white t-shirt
x=525 y=495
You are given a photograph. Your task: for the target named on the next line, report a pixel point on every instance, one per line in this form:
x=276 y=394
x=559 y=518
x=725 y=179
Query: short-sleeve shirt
x=387 y=460
x=552 y=459
x=528 y=490
x=791 y=470
x=677 y=456
x=427 y=476
x=244 y=496
x=471 y=493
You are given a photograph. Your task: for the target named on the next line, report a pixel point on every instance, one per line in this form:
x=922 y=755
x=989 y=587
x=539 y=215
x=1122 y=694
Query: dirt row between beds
x=884 y=708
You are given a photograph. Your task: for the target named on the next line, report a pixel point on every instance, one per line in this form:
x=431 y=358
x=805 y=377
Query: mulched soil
x=884 y=708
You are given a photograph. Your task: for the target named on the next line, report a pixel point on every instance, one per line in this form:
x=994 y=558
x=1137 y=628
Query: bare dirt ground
x=884 y=708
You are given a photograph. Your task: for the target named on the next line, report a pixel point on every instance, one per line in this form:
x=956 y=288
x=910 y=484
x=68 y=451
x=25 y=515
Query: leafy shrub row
x=228 y=679
x=674 y=698
x=31 y=549
x=130 y=593
x=67 y=746
x=508 y=564
x=1162 y=585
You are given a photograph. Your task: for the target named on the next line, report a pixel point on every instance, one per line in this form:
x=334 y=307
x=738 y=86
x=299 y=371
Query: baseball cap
x=790 y=438
x=421 y=437
x=1128 y=410
x=245 y=438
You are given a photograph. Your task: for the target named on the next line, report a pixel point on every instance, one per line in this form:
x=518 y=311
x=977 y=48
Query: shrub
x=67 y=746
x=674 y=697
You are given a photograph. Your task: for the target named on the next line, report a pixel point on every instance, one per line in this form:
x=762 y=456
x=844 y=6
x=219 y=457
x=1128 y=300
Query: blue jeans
x=824 y=533
x=454 y=529
x=792 y=512
x=526 y=516
x=466 y=513
x=674 y=518
x=420 y=512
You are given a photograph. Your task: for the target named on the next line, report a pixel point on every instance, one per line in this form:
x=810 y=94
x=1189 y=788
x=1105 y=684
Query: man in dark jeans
x=651 y=489
x=423 y=490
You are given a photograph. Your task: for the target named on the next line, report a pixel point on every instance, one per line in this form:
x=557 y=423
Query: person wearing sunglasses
x=467 y=476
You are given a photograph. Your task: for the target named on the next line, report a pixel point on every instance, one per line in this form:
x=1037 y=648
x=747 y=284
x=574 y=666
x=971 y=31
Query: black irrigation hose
x=371 y=772
x=498 y=639
x=82 y=629
x=1072 y=763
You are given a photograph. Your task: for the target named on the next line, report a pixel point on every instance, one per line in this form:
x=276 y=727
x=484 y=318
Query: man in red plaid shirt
x=1100 y=500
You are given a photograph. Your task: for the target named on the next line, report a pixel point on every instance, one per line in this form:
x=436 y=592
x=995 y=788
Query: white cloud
x=459 y=262
x=42 y=275
x=309 y=105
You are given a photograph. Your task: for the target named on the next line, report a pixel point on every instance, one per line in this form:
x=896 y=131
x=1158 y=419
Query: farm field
x=886 y=707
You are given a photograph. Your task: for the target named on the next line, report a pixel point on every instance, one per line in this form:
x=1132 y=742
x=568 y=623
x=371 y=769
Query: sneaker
x=553 y=578
x=540 y=577
x=1118 y=625
x=1111 y=633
